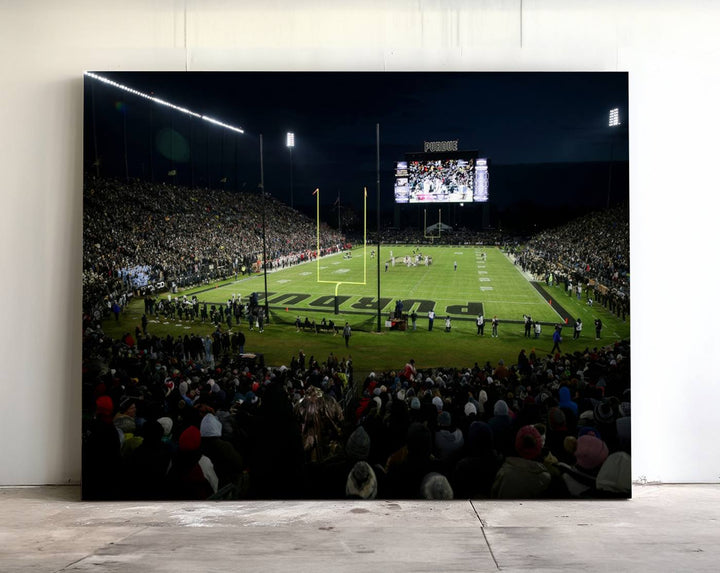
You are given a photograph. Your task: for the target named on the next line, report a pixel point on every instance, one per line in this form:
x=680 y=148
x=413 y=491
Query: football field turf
x=485 y=280
x=490 y=284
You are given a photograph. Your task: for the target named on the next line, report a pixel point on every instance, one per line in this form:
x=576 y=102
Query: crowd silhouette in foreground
x=160 y=424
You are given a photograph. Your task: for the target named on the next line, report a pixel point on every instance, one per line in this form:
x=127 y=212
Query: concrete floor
x=663 y=528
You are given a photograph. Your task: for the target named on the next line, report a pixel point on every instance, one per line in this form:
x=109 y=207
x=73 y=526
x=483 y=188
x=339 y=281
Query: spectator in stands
x=475 y=473
x=523 y=475
x=191 y=474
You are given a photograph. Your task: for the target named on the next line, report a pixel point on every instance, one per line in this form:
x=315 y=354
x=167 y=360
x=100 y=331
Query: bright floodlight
x=614 y=117
x=163 y=102
x=290 y=139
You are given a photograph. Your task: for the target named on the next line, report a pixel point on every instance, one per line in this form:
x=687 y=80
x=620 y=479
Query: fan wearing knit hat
x=438 y=403
x=614 y=478
x=226 y=460
x=190 y=439
x=191 y=474
x=358 y=445
x=528 y=443
x=361 y=482
x=500 y=408
x=590 y=453
x=125 y=423
x=523 y=477
x=405 y=472
x=470 y=410
x=147 y=468
x=501 y=424
x=167 y=426
x=436 y=486
x=557 y=431
x=449 y=441
x=474 y=474
x=104 y=408
x=603 y=413
x=101 y=454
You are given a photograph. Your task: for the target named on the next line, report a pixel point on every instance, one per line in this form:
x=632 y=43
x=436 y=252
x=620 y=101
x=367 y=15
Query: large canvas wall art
x=356 y=285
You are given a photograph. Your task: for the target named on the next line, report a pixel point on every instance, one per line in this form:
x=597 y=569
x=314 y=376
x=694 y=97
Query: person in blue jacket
x=557 y=339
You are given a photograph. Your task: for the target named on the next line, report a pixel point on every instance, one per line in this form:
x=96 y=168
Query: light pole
x=377 y=147
x=262 y=190
x=290 y=142
x=613 y=121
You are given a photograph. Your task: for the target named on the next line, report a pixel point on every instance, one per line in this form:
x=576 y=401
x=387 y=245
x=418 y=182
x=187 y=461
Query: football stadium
x=395 y=334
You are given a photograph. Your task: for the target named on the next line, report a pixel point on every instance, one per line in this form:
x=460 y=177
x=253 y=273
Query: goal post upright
x=439 y=225
x=317 y=223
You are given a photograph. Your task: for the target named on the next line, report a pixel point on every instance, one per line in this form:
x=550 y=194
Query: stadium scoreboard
x=442 y=174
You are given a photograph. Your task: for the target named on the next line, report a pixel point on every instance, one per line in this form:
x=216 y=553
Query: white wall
x=670 y=48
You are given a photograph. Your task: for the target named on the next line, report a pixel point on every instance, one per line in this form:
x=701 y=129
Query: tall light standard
x=264 y=261
x=377 y=148
x=290 y=142
x=613 y=121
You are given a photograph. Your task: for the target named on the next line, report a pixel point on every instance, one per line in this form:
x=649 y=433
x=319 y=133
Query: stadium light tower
x=290 y=142
x=613 y=122
x=377 y=148
x=264 y=244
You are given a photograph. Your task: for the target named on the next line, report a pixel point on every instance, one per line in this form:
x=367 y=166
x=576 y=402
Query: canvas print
x=355 y=285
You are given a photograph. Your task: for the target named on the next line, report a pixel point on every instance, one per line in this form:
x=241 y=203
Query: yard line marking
x=417 y=283
x=528 y=282
x=517 y=303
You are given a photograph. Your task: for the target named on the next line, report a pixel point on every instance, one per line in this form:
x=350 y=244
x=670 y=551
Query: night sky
x=544 y=133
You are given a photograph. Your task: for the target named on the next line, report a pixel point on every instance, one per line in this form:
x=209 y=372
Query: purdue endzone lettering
x=369 y=304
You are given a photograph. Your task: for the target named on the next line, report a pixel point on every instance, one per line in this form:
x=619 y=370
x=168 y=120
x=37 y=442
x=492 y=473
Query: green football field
x=485 y=281
x=491 y=284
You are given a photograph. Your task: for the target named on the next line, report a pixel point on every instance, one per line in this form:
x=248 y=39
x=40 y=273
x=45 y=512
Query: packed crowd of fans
x=138 y=233
x=593 y=251
x=199 y=419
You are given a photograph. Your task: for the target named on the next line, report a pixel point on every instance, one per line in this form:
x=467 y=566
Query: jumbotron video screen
x=442 y=180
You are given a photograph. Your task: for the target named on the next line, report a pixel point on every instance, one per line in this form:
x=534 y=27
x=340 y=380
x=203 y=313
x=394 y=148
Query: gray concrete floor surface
x=663 y=528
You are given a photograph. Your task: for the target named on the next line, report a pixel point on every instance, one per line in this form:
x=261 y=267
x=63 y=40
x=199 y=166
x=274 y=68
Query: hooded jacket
x=519 y=478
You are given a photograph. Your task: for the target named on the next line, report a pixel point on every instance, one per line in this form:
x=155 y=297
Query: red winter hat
x=190 y=439
x=528 y=442
x=104 y=406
